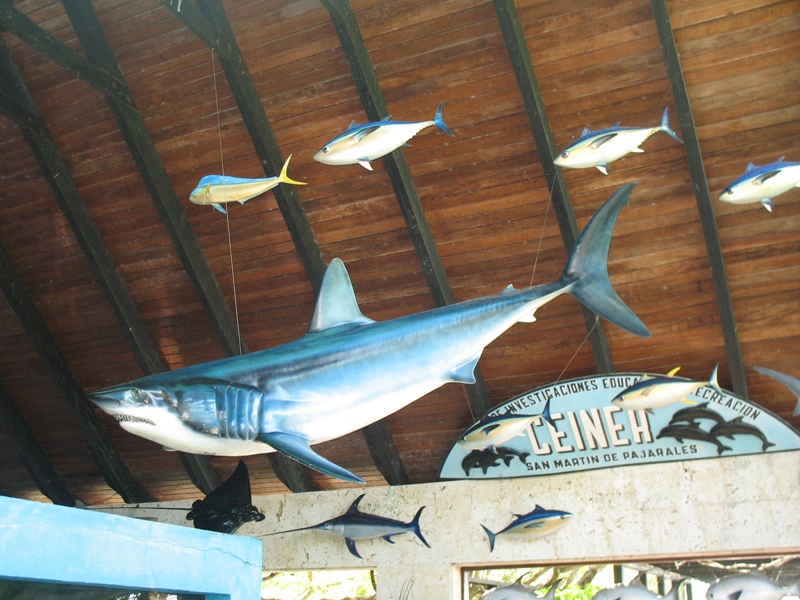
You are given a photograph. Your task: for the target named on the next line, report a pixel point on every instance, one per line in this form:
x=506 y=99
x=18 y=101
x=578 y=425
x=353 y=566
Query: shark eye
x=136 y=393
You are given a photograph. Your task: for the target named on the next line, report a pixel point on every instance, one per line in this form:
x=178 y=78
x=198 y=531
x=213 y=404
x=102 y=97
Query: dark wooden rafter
x=101 y=448
x=697 y=172
x=55 y=170
x=520 y=58
x=366 y=82
x=210 y=24
x=31 y=453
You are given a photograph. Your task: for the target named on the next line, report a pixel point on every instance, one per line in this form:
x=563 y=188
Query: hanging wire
x=541 y=233
x=227 y=216
x=578 y=349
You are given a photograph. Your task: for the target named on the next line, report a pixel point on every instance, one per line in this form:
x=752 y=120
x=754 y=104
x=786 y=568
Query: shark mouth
x=132 y=419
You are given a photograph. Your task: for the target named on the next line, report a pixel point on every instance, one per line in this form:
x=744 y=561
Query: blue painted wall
x=57 y=544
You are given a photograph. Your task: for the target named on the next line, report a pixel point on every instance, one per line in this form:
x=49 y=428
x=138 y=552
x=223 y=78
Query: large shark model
x=349 y=371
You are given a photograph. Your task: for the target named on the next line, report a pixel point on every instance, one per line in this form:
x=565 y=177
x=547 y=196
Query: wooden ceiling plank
x=200 y=469
x=366 y=82
x=520 y=57
x=31 y=453
x=101 y=448
x=703 y=196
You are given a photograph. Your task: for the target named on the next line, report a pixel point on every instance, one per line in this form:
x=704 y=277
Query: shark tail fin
x=666 y=128
x=438 y=120
x=415 y=527
x=491 y=536
x=586 y=272
x=284 y=176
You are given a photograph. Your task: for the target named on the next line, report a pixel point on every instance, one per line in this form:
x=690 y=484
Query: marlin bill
x=349 y=371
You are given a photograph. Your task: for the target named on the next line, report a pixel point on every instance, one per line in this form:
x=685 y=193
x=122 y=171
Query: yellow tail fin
x=284 y=177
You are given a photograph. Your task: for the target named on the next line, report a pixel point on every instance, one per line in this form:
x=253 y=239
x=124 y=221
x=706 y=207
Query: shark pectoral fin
x=602 y=169
x=767 y=202
x=365 y=163
x=220 y=209
x=351 y=545
x=465 y=373
x=297 y=447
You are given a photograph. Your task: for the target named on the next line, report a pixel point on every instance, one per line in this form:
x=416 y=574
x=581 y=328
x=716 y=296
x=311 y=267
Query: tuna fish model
x=604 y=146
x=217 y=190
x=656 y=391
x=750 y=586
x=519 y=591
x=356 y=525
x=538 y=523
x=363 y=143
x=790 y=382
x=349 y=371
x=491 y=432
x=762 y=184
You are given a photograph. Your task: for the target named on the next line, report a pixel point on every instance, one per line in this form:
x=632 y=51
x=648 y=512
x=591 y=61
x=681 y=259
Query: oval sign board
x=588 y=432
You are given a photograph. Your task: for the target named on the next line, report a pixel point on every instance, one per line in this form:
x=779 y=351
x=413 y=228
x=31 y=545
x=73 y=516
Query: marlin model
x=656 y=391
x=217 y=190
x=356 y=525
x=604 y=146
x=363 y=143
x=761 y=184
x=538 y=523
x=790 y=382
x=349 y=371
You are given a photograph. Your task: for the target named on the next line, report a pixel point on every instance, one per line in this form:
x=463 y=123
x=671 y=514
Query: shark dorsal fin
x=336 y=303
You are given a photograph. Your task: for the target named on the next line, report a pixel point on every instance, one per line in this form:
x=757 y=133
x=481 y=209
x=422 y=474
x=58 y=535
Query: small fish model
x=750 y=586
x=349 y=371
x=363 y=143
x=228 y=507
x=520 y=591
x=498 y=429
x=217 y=190
x=790 y=382
x=695 y=413
x=635 y=590
x=356 y=525
x=762 y=184
x=487 y=458
x=691 y=432
x=652 y=392
x=604 y=146
x=538 y=523
x=737 y=426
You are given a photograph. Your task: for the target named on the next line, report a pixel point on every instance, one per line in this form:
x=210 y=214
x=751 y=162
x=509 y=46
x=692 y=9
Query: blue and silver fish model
x=636 y=590
x=790 y=382
x=538 y=523
x=217 y=190
x=604 y=146
x=520 y=591
x=349 y=371
x=751 y=586
x=496 y=430
x=762 y=184
x=363 y=143
x=356 y=525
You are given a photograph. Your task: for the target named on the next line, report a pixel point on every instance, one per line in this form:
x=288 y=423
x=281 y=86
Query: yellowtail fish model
x=217 y=190
x=655 y=391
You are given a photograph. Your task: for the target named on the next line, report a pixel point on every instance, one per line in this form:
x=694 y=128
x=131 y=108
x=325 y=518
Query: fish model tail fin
x=713 y=383
x=438 y=120
x=284 y=176
x=546 y=413
x=415 y=527
x=586 y=273
x=491 y=536
x=666 y=128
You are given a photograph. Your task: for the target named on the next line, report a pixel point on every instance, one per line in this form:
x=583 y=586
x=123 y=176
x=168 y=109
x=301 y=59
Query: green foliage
x=318 y=585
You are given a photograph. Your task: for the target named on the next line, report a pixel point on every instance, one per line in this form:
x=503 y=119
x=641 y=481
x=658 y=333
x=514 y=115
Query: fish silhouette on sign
x=228 y=507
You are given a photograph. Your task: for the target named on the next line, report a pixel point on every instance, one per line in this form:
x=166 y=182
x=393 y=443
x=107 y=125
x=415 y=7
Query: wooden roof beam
x=520 y=57
x=366 y=82
x=702 y=194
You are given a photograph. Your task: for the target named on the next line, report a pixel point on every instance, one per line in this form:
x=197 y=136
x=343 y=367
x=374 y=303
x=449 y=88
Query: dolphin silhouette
x=349 y=371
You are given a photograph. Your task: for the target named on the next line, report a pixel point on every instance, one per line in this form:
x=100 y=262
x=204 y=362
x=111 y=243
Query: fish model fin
x=602 y=140
x=765 y=177
x=220 y=209
x=364 y=162
x=168 y=449
x=687 y=401
x=351 y=545
x=438 y=120
x=386 y=118
x=510 y=289
x=587 y=267
x=767 y=203
x=465 y=373
x=637 y=150
x=490 y=429
x=353 y=510
x=791 y=383
x=352 y=124
x=750 y=167
x=781 y=158
x=297 y=447
x=602 y=169
x=284 y=176
x=673 y=371
x=414 y=524
x=586 y=131
x=713 y=383
x=336 y=303
x=491 y=536
x=362 y=133
x=666 y=128
x=546 y=416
